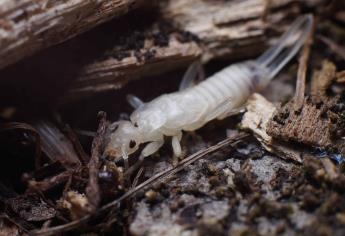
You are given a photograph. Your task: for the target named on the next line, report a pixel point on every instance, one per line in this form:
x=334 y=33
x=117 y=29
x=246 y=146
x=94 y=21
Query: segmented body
x=191 y=108
x=213 y=98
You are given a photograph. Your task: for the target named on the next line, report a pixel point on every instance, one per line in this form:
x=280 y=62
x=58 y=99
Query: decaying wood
x=207 y=29
x=93 y=190
x=258 y=114
x=313 y=125
x=228 y=28
x=153 y=58
x=319 y=123
x=28 y=26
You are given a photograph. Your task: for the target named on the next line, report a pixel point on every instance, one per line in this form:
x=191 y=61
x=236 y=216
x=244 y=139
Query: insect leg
x=195 y=70
x=176 y=144
x=134 y=101
x=125 y=158
x=151 y=148
x=147 y=151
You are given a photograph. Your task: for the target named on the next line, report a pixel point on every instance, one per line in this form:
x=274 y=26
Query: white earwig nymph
x=194 y=105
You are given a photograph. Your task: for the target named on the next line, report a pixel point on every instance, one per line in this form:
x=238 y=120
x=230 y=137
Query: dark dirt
x=139 y=40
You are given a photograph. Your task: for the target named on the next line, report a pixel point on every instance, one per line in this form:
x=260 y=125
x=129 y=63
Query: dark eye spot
x=132 y=144
x=135 y=124
x=113 y=127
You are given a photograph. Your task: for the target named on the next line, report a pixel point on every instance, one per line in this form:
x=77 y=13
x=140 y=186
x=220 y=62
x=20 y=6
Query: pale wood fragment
x=259 y=112
x=229 y=28
x=113 y=73
x=28 y=26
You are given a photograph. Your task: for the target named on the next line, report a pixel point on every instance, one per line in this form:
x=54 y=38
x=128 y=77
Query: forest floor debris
x=54 y=178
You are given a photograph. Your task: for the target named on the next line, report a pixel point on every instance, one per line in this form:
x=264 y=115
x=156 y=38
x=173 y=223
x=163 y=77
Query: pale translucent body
x=214 y=98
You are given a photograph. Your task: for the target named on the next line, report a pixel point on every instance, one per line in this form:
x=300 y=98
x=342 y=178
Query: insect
x=194 y=105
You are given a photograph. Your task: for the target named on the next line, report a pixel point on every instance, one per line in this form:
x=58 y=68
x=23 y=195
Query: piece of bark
x=29 y=26
x=258 y=114
x=234 y=29
x=319 y=123
x=153 y=58
x=93 y=192
x=312 y=125
x=31 y=208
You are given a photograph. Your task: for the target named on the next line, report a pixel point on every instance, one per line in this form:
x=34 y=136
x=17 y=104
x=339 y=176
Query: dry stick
x=302 y=72
x=51 y=182
x=136 y=179
x=92 y=189
x=156 y=178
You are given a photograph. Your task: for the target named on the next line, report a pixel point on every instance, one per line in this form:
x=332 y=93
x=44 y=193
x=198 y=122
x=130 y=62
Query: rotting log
x=215 y=29
x=114 y=73
x=28 y=26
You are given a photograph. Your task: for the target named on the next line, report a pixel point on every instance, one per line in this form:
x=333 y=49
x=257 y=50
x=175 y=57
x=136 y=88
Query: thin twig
x=51 y=182
x=302 y=71
x=154 y=179
x=136 y=179
x=93 y=189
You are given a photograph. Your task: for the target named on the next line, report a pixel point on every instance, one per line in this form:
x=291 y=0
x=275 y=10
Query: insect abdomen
x=234 y=82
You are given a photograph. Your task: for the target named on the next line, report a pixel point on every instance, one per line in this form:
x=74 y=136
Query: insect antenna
x=277 y=56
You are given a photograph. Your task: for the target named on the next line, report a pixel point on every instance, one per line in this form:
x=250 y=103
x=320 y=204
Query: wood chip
x=319 y=123
x=259 y=113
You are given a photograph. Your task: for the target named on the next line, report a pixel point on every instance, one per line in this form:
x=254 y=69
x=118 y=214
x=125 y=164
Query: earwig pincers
x=194 y=105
